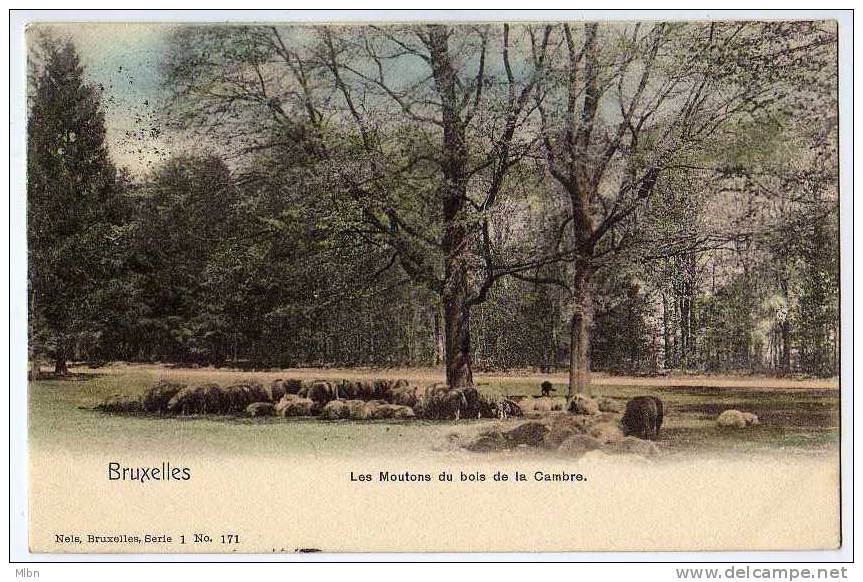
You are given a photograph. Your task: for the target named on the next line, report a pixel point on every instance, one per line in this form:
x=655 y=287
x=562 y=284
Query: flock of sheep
x=572 y=426
x=331 y=400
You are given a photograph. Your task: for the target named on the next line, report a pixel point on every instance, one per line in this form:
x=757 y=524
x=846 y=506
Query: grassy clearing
x=795 y=418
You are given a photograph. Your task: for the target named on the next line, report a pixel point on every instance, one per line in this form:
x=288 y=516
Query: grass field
x=797 y=417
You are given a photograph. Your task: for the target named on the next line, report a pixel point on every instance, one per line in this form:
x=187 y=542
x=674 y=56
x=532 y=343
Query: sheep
x=581 y=404
x=365 y=390
x=404 y=395
x=347 y=390
x=357 y=409
x=440 y=402
x=277 y=390
x=321 y=392
x=736 y=419
x=189 y=400
x=542 y=404
x=385 y=410
x=292 y=386
x=502 y=408
x=609 y=405
x=294 y=405
x=214 y=399
x=643 y=417
x=260 y=409
x=156 y=399
x=335 y=410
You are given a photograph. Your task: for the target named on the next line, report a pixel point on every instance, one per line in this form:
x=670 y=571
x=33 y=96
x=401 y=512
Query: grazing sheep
x=581 y=404
x=404 y=395
x=335 y=410
x=256 y=391
x=490 y=440
x=238 y=396
x=189 y=400
x=751 y=419
x=261 y=409
x=502 y=408
x=294 y=405
x=442 y=403
x=542 y=404
x=292 y=386
x=736 y=419
x=357 y=409
x=156 y=399
x=365 y=390
x=473 y=399
x=609 y=405
x=321 y=392
x=277 y=390
x=643 y=417
x=214 y=399
x=387 y=410
x=347 y=390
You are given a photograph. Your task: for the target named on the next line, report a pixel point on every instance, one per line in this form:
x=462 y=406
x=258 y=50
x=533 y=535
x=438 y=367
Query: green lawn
x=795 y=420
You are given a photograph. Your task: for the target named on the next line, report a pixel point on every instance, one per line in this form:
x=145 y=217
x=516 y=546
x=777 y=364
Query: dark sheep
x=214 y=398
x=239 y=396
x=189 y=400
x=256 y=391
x=156 y=399
x=277 y=390
x=643 y=417
x=348 y=390
x=292 y=386
x=365 y=390
x=321 y=392
x=382 y=389
x=497 y=407
x=442 y=403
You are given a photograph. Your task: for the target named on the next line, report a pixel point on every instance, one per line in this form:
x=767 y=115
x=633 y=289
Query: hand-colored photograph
x=433 y=286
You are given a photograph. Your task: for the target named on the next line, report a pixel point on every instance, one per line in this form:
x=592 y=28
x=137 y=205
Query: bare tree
x=417 y=129
x=630 y=104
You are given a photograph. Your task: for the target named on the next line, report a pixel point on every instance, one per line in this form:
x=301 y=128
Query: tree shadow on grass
x=70 y=377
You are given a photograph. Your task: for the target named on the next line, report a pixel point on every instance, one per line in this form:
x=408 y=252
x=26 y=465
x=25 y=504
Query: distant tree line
x=623 y=197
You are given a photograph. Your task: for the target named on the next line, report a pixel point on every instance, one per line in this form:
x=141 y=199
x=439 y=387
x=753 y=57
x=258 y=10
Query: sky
x=124 y=58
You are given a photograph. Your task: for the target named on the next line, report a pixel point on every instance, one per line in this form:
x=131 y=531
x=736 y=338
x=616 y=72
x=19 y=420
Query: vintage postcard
x=436 y=284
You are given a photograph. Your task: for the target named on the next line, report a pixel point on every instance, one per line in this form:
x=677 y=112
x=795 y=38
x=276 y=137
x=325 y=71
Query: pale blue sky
x=125 y=59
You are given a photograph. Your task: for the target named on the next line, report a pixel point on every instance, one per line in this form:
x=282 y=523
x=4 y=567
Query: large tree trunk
x=459 y=373
x=456 y=304
x=579 y=333
x=61 y=368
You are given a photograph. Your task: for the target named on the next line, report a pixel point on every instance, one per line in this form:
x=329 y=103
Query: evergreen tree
x=73 y=207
